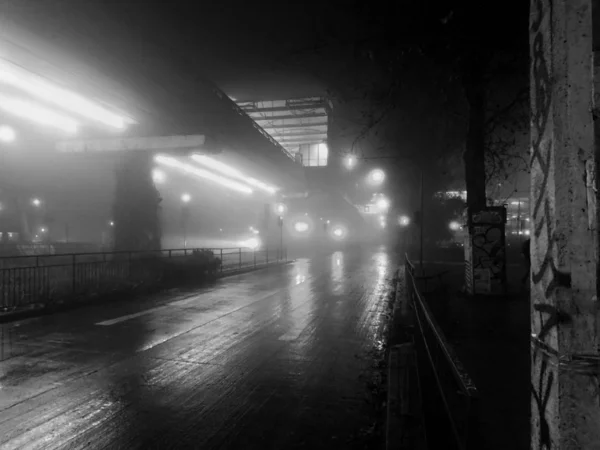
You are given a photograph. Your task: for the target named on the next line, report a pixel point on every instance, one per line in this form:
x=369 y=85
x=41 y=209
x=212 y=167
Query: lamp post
x=377 y=177
x=185 y=200
x=280 y=222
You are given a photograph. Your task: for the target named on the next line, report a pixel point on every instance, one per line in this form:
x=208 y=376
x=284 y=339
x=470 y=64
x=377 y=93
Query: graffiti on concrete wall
x=545 y=276
x=488 y=250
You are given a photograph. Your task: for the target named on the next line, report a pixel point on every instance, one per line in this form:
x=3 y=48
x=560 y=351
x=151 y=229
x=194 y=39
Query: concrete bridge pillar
x=564 y=245
x=137 y=203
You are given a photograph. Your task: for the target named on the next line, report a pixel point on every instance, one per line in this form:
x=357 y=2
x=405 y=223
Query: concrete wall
x=565 y=398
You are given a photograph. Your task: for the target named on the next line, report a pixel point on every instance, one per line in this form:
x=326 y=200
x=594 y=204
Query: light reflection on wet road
x=271 y=359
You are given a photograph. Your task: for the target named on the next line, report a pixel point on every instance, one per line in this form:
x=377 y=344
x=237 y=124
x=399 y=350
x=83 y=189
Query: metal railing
x=455 y=388
x=39 y=280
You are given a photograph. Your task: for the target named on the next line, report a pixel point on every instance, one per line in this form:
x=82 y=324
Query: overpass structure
x=301 y=126
x=76 y=112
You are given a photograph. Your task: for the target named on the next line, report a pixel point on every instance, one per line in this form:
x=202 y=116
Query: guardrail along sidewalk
x=449 y=396
x=41 y=280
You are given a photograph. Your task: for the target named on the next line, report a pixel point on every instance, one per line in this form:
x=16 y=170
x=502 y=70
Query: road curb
x=40 y=312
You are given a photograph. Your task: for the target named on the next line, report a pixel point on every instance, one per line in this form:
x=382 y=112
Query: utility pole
x=564 y=243
x=422 y=217
x=281 y=236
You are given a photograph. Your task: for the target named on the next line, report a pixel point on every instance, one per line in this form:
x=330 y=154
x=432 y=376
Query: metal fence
x=437 y=362
x=40 y=280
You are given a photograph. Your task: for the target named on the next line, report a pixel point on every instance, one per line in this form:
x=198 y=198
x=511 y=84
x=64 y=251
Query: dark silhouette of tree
x=426 y=58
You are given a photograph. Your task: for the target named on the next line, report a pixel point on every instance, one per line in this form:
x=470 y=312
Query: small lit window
x=314 y=155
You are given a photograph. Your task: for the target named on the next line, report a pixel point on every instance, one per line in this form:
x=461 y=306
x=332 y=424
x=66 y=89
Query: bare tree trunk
x=474 y=155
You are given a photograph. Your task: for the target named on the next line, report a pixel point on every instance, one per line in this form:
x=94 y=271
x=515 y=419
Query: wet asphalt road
x=275 y=359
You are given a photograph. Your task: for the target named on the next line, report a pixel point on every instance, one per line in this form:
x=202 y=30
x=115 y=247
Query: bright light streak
x=301 y=227
x=454 y=225
x=376 y=176
x=404 y=221
x=37 y=86
x=36 y=113
x=201 y=173
x=7 y=134
x=158 y=176
x=186 y=198
x=234 y=173
x=252 y=243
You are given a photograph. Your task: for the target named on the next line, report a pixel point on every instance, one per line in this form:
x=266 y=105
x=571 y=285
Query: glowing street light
x=43 y=230
x=383 y=203
x=36 y=202
x=158 y=176
x=7 y=134
x=339 y=232
x=454 y=225
x=301 y=227
x=376 y=177
x=404 y=221
x=350 y=162
x=280 y=209
x=186 y=198
x=111 y=223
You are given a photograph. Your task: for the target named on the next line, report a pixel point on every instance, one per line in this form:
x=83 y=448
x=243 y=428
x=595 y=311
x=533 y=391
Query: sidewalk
x=491 y=338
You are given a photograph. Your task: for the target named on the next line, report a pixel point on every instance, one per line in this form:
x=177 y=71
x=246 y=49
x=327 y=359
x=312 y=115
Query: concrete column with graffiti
x=564 y=338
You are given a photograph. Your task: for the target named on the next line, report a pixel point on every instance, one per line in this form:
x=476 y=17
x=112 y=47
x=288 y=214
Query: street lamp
x=383 y=203
x=280 y=209
x=404 y=221
x=454 y=225
x=158 y=176
x=350 y=162
x=7 y=134
x=376 y=177
x=36 y=202
x=185 y=199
